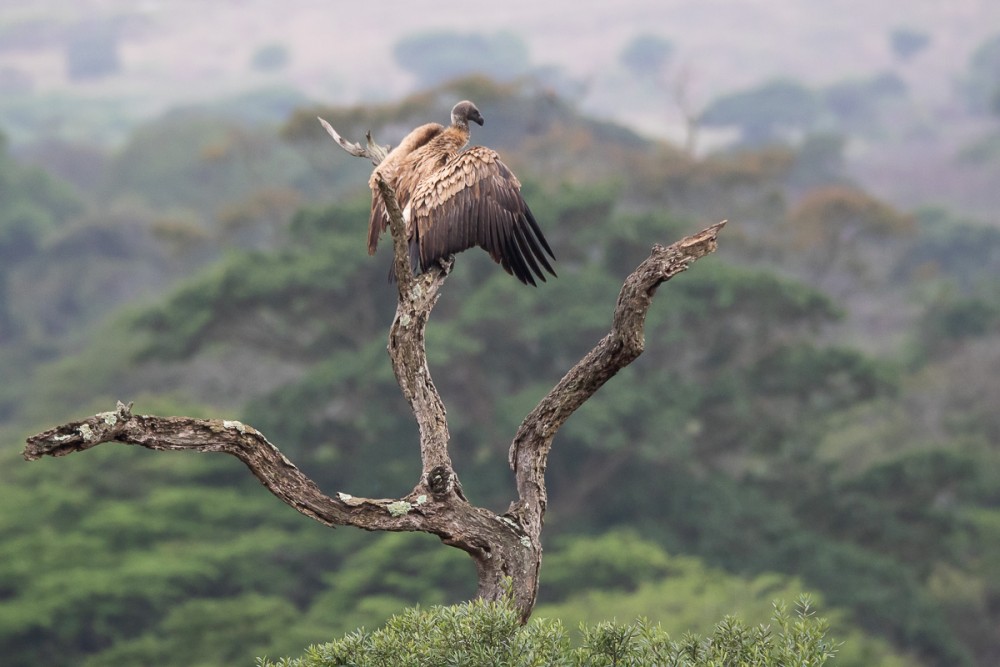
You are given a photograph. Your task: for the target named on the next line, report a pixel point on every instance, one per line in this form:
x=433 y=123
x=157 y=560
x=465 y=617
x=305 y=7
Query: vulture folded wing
x=379 y=219
x=395 y=169
x=475 y=200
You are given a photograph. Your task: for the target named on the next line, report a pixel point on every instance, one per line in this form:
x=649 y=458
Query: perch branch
x=417 y=297
x=264 y=460
x=436 y=506
x=408 y=353
x=529 y=451
x=502 y=547
x=372 y=151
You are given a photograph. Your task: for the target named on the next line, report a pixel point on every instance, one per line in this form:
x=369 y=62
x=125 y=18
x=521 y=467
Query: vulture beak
x=478 y=118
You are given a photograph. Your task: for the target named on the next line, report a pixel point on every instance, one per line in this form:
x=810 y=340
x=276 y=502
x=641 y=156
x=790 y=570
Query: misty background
x=815 y=410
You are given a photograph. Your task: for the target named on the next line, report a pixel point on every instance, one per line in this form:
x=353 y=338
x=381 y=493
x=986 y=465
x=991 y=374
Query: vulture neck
x=453 y=139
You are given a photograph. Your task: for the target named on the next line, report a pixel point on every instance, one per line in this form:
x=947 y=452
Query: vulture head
x=465 y=111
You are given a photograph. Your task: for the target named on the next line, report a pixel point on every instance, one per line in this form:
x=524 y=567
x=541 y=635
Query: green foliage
x=965 y=254
x=820 y=160
x=267 y=105
x=34 y=203
x=139 y=551
x=763 y=112
x=615 y=561
x=207 y=632
x=198 y=158
x=32 y=206
x=895 y=507
x=319 y=267
x=481 y=633
x=681 y=593
x=822 y=379
x=950 y=321
x=763 y=527
x=982 y=83
x=748 y=444
x=44 y=115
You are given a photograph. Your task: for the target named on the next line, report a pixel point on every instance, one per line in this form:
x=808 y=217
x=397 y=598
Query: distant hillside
x=814 y=409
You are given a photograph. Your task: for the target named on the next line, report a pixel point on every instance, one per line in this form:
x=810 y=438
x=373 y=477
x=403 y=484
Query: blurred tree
x=819 y=161
x=33 y=205
x=646 y=55
x=982 y=80
x=857 y=104
x=950 y=320
x=200 y=159
x=438 y=56
x=81 y=164
x=270 y=58
x=92 y=50
x=764 y=113
x=259 y=220
x=833 y=228
x=963 y=253
x=682 y=89
x=906 y=42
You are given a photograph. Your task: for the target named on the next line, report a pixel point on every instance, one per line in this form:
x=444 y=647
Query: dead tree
x=504 y=546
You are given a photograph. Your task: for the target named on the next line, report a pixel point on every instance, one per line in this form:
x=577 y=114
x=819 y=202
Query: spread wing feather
x=475 y=200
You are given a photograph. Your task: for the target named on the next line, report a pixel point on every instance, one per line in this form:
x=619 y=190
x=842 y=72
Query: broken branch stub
x=372 y=151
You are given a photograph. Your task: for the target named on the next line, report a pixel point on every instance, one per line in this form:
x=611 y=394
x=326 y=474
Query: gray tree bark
x=507 y=548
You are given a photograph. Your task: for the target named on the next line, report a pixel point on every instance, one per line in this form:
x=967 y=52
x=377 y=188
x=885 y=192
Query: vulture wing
x=399 y=174
x=475 y=200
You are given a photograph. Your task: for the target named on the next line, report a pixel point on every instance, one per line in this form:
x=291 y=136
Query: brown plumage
x=453 y=200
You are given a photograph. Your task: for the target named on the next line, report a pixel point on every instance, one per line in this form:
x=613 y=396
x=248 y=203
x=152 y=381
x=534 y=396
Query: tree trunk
x=506 y=548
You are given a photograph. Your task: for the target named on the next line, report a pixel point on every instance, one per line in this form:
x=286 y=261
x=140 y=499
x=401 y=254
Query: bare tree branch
x=681 y=89
x=264 y=460
x=503 y=547
x=494 y=542
x=406 y=335
x=529 y=451
x=373 y=151
x=417 y=297
x=618 y=349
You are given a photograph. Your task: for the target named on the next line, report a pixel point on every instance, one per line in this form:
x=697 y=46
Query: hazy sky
x=180 y=52
x=343 y=49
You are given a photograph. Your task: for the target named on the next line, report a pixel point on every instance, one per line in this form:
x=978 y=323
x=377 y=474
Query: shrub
x=484 y=633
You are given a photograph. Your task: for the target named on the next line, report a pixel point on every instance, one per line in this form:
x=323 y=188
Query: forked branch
x=249 y=445
x=503 y=547
x=624 y=343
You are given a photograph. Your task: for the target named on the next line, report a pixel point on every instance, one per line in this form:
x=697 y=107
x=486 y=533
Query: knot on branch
x=124 y=412
x=442 y=482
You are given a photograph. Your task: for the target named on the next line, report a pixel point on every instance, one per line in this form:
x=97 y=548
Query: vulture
x=454 y=199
